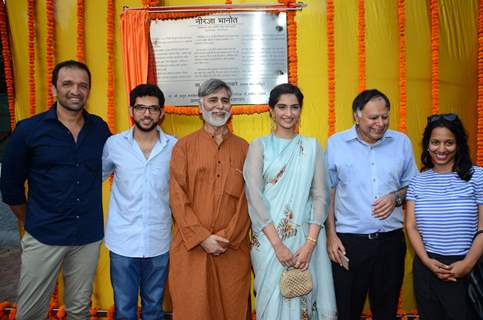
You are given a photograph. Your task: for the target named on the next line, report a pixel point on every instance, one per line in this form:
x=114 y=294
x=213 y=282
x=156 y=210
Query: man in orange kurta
x=209 y=273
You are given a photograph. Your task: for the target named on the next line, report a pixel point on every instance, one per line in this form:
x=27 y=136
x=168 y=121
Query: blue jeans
x=146 y=276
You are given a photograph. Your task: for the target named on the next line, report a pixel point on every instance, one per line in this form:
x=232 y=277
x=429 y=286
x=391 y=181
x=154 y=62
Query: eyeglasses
x=447 y=116
x=142 y=108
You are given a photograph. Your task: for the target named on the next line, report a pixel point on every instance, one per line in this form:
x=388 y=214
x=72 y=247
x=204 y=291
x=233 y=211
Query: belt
x=372 y=236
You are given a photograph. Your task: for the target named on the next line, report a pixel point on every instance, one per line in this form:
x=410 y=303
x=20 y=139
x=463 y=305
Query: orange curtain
x=135 y=48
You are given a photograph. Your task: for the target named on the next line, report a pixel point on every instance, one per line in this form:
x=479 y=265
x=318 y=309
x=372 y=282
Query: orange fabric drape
x=135 y=39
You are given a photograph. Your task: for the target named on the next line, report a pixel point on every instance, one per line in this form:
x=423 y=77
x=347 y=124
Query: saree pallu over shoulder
x=289 y=170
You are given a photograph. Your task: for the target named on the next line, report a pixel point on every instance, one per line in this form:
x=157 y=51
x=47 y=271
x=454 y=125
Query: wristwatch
x=398 y=200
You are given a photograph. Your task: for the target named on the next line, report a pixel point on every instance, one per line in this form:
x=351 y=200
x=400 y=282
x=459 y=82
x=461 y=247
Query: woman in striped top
x=444 y=212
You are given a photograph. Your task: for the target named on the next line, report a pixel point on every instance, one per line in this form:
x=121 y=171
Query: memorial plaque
x=246 y=50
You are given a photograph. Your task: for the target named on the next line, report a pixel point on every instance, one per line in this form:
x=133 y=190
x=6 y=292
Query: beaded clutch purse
x=295 y=283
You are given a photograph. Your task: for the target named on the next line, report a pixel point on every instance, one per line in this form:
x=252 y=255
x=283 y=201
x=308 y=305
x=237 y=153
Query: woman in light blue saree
x=286 y=186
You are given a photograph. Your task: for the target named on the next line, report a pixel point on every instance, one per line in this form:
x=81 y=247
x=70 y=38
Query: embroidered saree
x=286 y=185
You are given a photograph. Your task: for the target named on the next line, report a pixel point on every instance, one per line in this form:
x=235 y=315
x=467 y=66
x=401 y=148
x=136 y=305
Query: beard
x=139 y=125
x=212 y=119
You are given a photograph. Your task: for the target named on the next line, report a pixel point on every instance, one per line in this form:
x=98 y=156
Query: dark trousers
x=440 y=300
x=376 y=267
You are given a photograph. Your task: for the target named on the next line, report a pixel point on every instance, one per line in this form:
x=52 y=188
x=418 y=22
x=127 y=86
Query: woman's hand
x=303 y=255
x=284 y=255
x=460 y=268
x=442 y=271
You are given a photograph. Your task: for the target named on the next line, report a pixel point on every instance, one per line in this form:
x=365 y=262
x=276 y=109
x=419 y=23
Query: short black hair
x=146 y=90
x=367 y=95
x=463 y=165
x=69 y=64
x=285 y=88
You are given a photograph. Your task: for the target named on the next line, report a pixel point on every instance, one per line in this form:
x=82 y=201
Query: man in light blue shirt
x=369 y=168
x=138 y=231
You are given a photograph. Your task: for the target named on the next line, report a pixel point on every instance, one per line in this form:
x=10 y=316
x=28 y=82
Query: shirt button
x=374 y=180
x=78 y=199
x=372 y=163
x=77 y=182
x=77 y=217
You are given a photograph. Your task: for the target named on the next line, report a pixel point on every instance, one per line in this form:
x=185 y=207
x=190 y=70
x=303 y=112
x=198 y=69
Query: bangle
x=312 y=239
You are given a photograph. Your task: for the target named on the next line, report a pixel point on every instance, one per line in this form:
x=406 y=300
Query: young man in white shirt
x=138 y=231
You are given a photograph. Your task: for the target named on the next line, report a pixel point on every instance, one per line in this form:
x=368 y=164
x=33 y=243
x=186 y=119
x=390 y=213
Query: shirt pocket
x=346 y=173
x=160 y=176
x=234 y=182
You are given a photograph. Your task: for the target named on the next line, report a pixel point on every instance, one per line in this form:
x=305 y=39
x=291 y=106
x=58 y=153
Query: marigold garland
x=292 y=48
x=80 y=44
x=50 y=51
x=31 y=56
x=110 y=63
x=434 y=7
x=331 y=65
x=7 y=63
x=402 y=66
x=361 y=20
x=479 y=132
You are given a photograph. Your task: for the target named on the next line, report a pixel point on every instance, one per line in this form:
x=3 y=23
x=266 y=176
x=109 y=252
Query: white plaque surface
x=246 y=50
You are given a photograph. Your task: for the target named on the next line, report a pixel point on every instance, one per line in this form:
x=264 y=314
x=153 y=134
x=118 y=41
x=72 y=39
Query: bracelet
x=312 y=239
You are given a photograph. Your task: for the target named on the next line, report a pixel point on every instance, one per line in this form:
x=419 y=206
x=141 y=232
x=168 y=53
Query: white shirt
x=139 y=220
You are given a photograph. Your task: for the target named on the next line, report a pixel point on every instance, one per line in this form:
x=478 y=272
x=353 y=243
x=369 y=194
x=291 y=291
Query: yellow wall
x=458 y=20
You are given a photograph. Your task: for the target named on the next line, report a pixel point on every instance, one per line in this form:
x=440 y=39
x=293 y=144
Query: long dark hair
x=463 y=165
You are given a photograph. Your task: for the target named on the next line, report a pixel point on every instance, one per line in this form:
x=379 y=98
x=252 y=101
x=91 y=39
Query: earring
x=273 y=125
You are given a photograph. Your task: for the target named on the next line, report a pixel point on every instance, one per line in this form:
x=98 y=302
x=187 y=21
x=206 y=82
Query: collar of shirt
x=351 y=135
x=211 y=137
x=51 y=114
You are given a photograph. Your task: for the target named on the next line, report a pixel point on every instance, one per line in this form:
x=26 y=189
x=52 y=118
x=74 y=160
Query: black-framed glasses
x=445 y=116
x=142 y=108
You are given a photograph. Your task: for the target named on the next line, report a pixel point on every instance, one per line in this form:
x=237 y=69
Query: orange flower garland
x=7 y=63
x=479 y=134
x=292 y=48
x=362 y=44
x=50 y=52
x=331 y=65
x=110 y=63
x=402 y=66
x=434 y=56
x=31 y=55
x=80 y=47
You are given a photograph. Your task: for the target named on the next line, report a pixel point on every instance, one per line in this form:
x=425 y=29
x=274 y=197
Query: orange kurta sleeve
x=186 y=220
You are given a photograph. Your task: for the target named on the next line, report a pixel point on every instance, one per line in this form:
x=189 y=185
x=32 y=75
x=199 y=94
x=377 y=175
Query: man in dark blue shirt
x=58 y=153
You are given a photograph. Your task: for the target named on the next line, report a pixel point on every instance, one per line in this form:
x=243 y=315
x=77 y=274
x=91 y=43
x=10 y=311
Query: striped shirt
x=446 y=210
